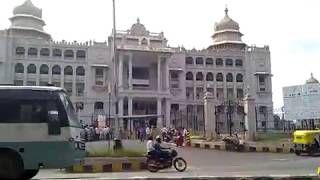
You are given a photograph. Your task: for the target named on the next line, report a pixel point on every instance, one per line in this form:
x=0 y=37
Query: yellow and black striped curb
x=245 y=147
x=114 y=166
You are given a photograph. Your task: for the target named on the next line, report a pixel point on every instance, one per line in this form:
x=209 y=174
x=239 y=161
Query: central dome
x=226 y=23
x=138 y=29
x=312 y=80
x=28 y=8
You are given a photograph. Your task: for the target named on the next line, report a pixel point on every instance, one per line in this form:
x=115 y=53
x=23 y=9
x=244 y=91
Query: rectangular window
x=18 y=82
x=220 y=93
x=211 y=90
x=261 y=80
x=99 y=72
x=230 y=93
x=43 y=83
x=80 y=89
x=140 y=72
x=239 y=93
x=31 y=83
x=68 y=87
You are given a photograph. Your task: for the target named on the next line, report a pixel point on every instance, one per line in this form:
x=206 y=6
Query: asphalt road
x=203 y=162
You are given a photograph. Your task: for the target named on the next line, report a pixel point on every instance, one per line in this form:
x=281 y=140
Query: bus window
x=23 y=111
x=73 y=121
x=53 y=119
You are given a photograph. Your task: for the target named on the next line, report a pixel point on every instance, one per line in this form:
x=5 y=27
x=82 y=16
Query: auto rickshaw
x=306 y=141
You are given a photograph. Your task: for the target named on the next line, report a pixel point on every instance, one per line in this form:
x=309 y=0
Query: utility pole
x=115 y=77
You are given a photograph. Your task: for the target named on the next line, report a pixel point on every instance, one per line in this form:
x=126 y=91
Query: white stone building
x=154 y=80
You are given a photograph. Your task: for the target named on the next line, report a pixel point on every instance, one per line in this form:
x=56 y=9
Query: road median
x=106 y=164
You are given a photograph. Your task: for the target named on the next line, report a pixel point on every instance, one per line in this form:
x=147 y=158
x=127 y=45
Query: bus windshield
x=72 y=118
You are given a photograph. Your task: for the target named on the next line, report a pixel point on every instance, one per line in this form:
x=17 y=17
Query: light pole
x=115 y=77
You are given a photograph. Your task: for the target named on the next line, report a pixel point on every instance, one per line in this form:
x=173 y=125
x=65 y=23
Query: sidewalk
x=248 y=146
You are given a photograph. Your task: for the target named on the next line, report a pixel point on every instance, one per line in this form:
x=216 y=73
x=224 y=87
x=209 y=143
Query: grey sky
x=290 y=27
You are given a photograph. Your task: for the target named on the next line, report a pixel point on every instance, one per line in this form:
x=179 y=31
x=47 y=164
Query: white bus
x=38 y=128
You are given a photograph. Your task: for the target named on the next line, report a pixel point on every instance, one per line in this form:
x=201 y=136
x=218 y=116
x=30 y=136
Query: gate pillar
x=209 y=115
x=250 y=118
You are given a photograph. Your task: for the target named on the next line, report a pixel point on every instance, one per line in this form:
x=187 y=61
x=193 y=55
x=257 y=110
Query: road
x=203 y=162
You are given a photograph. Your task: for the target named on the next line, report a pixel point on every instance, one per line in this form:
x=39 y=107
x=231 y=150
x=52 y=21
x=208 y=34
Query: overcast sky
x=290 y=27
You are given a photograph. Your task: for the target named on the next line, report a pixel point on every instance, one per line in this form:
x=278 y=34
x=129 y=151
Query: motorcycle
x=155 y=164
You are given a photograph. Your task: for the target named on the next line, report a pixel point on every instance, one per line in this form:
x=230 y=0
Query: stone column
x=159 y=73
x=25 y=67
x=166 y=60
x=167 y=115
x=120 y=71
x=38 y=75
x=130 y=106
x=120 y=113
x=130 y=71
x=74 y=79
x=209 y=115
x=159 y=113
x=250 y=118
x=50 y=73
x=62 y=77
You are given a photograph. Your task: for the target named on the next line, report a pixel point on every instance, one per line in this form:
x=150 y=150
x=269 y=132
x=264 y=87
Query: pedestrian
x=148 y=131
x=141 y=132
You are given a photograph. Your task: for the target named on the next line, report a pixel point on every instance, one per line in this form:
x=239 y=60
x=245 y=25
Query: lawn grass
x=118 y=153
x=273 y=138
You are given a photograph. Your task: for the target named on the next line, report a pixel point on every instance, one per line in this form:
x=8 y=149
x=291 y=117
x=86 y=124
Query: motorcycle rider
x=159 y=149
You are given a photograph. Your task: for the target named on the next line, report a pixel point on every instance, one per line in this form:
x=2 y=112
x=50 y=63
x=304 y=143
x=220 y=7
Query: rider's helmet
x=158 y=139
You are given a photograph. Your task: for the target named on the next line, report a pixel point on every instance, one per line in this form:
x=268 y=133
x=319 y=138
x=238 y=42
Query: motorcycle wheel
x=152 y=165
x=180 y=164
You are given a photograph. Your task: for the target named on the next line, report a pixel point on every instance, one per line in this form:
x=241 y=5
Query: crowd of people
x=95 y=133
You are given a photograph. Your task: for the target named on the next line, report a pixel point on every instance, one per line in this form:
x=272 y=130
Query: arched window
x=199 y=61
x=98 y=106
x=219 y=62
x=219 y=77
x=80 y=71
x=189 y=60
x=81 y=54
x=229 y=62
x=199 y=76
x=239 y=63
x=209 y=61
x=44 y=52
x=56 y=70
x=44 y=69
x=229 y=77
x=68 y=70
x=20 y=51
x=57 y=53
x=68 y=53
x=32 y=69
x=189 y=76
x=32 y=51
x=209 y=76
x=239 y=78
x=19 y=68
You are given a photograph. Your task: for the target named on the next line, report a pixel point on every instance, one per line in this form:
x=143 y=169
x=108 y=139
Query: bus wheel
x=29 y=173
x=11 y=165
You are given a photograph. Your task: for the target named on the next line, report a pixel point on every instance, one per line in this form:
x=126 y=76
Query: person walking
x=141 y=132
x=148 y=131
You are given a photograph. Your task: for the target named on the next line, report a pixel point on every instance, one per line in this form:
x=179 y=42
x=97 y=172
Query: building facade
x=148 y=81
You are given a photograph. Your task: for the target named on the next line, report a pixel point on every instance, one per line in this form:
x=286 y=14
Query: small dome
x=226 y=23
x=28 y=8
x=312 y=80
x=138 y=29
